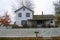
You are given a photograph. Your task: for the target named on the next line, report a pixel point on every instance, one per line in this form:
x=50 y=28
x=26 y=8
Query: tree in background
x=5 y=20
x=57 y=12
x=0 y=19
x=27 y=3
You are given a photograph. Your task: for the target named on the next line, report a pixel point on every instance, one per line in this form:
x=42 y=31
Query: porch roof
x=42 y=17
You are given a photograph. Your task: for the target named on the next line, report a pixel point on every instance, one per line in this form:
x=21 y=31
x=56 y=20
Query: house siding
x=19 y=19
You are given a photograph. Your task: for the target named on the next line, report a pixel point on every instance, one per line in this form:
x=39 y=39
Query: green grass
x=28 y=38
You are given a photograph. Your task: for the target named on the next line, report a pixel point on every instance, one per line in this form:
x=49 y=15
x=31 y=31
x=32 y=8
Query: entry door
x=39 y=22
x=24 y=22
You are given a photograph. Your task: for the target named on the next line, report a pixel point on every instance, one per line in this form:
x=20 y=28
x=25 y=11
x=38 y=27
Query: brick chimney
x=42 y=12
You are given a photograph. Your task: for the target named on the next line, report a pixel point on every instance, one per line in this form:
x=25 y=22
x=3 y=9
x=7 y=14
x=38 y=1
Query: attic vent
x=23 y=9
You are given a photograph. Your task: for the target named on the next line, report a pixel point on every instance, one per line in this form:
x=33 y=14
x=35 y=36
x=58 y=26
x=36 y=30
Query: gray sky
x=39 y=5
x=44 y=5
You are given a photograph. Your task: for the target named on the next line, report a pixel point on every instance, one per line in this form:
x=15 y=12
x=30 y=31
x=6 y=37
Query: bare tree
x=57 y=7
x=57 y=12
x=27 y=3
x=13 y=7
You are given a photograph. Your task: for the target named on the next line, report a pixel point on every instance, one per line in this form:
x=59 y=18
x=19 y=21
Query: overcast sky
x=39 y=5
x=44 y=5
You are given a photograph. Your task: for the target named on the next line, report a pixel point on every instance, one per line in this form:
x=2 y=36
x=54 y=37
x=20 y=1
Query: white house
x=25 y=16
x=22 y=15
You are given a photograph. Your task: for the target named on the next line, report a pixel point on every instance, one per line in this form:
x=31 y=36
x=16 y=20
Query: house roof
x=23 y=7
x=43 y=17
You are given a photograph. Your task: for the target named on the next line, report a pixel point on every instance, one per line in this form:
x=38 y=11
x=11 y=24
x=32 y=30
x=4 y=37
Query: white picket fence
x=30 y=32
x=4 y=27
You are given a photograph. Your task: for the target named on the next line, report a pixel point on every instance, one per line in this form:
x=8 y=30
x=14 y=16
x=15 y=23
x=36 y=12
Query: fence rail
x=30 y=32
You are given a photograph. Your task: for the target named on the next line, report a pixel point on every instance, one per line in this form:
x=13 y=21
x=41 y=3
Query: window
x=24 y=22
x=51 y=21
x=27 y=14
x=20 y=14
x=23 y=9
x=58 y=12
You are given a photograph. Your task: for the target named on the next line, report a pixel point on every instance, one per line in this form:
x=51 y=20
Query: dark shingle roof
x=43 y=17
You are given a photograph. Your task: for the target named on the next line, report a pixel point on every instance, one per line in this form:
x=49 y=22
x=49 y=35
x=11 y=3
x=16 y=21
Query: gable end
x=21 y=8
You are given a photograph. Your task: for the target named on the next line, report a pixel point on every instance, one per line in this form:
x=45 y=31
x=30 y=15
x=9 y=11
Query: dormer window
x=20 y=15
x=27 y=14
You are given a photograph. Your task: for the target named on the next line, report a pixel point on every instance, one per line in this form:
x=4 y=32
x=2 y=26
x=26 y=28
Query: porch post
x=42 y=23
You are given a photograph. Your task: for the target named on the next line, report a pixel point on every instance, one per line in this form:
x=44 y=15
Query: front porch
x=40 y=23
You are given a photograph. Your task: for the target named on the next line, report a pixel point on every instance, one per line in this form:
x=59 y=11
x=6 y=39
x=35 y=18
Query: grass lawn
x=28 y=38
